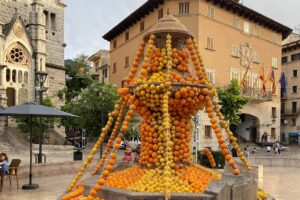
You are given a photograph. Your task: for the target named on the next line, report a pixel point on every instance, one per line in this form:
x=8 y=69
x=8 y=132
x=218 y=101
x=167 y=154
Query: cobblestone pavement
x=282 y=183
x=50 y=189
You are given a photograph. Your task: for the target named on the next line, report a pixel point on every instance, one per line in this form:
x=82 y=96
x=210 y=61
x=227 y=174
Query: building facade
x=31 y=41
x=290 y=98
x=100 y=65
x=234 y=41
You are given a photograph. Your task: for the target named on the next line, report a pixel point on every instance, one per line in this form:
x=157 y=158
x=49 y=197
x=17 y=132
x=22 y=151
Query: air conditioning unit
x=286 y=121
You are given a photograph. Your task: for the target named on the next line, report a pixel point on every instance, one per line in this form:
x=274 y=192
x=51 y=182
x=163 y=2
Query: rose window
x=16 y=55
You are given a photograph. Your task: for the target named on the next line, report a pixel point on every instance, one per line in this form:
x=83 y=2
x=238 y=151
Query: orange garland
x=211 y=159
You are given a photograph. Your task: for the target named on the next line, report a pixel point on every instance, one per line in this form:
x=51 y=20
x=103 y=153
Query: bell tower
x=37 y=31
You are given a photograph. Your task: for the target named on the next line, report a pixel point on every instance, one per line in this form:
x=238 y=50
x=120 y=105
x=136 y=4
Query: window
x=208 y=131
x=294 y=107
x=127 y=36
x=293 y=122
x=273 y=133
x=256 y=57
x=235 y=75
x=53 y=22
x=142 y=26
x=284 y=59
x=275 y=38
x=115 y=43
x=14 y=76
x=114 y=67
x=235 y=51
x=295 y=89
x=184 y=8
x=26 y=77
x=126 y=61
x=235 y=22
x=161 y=13
x=282 y=122
x=16 y=55
x=123 y=83
x=46 y=18
x=255 y=82
x=256 y=30
x=295 y=73
x=210 y=43
x=274 y=63
x=211 y=12
x=20 y=78
x=296 y=57
x=282 y=108
x=247 y=27
x=273 y=112
x=104 y=73
x=7 y=75
x=211 y=75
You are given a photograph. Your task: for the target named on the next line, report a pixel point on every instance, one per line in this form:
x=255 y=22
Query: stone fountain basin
x=230 y=187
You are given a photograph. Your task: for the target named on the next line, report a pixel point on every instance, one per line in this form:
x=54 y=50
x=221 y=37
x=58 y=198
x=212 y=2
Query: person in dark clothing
x=234 y=152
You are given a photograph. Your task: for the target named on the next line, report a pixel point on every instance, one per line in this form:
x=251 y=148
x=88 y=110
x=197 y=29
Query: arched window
x=7 y=75
x=41 y=64
x=26 y=77
x=14 y=75
x=20 y=78
x=46 y=18
x=53 y=21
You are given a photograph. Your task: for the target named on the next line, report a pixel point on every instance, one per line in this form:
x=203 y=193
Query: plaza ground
x=281 y=182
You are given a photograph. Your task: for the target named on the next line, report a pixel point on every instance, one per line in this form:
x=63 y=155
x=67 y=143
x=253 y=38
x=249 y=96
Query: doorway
x=11 y=96
x=253 y=134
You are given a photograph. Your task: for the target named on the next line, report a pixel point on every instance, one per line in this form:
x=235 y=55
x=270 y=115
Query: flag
x=262 y=78
x=283 y=83
x=272 y=80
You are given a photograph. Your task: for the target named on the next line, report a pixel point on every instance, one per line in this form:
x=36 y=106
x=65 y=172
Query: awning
x=294 y=134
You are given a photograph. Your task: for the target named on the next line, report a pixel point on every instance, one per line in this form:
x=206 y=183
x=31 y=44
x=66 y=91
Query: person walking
x=246 y=152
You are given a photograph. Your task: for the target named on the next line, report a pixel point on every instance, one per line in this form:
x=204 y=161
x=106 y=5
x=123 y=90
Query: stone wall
x=56 y=82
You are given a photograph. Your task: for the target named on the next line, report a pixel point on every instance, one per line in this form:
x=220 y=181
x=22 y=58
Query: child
x=4 y=163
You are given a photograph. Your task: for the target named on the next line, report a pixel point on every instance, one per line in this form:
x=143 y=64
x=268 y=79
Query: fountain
x=171 y=87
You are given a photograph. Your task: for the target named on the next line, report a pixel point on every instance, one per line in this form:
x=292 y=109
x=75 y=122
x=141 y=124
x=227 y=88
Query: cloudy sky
x=86 y=21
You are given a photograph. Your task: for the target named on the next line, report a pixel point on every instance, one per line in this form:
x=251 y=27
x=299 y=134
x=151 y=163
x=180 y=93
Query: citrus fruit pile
x=166 y=95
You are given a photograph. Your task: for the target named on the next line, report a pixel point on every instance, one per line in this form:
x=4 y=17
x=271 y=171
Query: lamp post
x=196 y=136
x=40 y=80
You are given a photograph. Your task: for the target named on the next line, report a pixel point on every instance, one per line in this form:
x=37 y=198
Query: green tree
x=76 y=77
x=232 y=102
x=96 y=100
x=37 y=127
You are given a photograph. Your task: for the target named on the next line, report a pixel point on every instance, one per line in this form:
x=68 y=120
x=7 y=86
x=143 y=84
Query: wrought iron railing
x=290 y=111
x=257 y=94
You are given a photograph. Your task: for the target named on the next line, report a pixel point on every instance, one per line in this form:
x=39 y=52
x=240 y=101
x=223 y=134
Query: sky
x=86 y=21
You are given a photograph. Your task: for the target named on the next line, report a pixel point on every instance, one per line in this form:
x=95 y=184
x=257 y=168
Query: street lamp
x=40 y=80
x=195 y=119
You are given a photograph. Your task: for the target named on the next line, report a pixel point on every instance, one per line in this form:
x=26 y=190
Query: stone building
x=31 y=41
x=100 y=65
x=235 y=42
x=290 y=103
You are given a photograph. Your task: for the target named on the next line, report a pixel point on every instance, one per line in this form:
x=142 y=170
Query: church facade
x=31 y=41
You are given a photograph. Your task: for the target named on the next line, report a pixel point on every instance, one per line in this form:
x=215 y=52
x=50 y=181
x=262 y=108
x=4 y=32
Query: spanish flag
x=262 y=78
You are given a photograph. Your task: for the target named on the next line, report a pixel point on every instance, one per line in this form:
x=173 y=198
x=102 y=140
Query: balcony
x=290 y=112
x=257 y=94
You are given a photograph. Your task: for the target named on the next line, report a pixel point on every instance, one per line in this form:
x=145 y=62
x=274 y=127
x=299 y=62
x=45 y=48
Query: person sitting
x=4 y=166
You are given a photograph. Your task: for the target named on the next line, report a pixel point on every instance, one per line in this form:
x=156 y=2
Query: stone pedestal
x=230 y=187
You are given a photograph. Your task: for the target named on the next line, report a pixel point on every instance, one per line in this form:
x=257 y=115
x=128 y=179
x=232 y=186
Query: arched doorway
x=248 y=129
x=11 y=96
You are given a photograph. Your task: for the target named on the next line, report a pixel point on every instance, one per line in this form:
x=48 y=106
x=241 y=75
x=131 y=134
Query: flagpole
x=246 y=73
